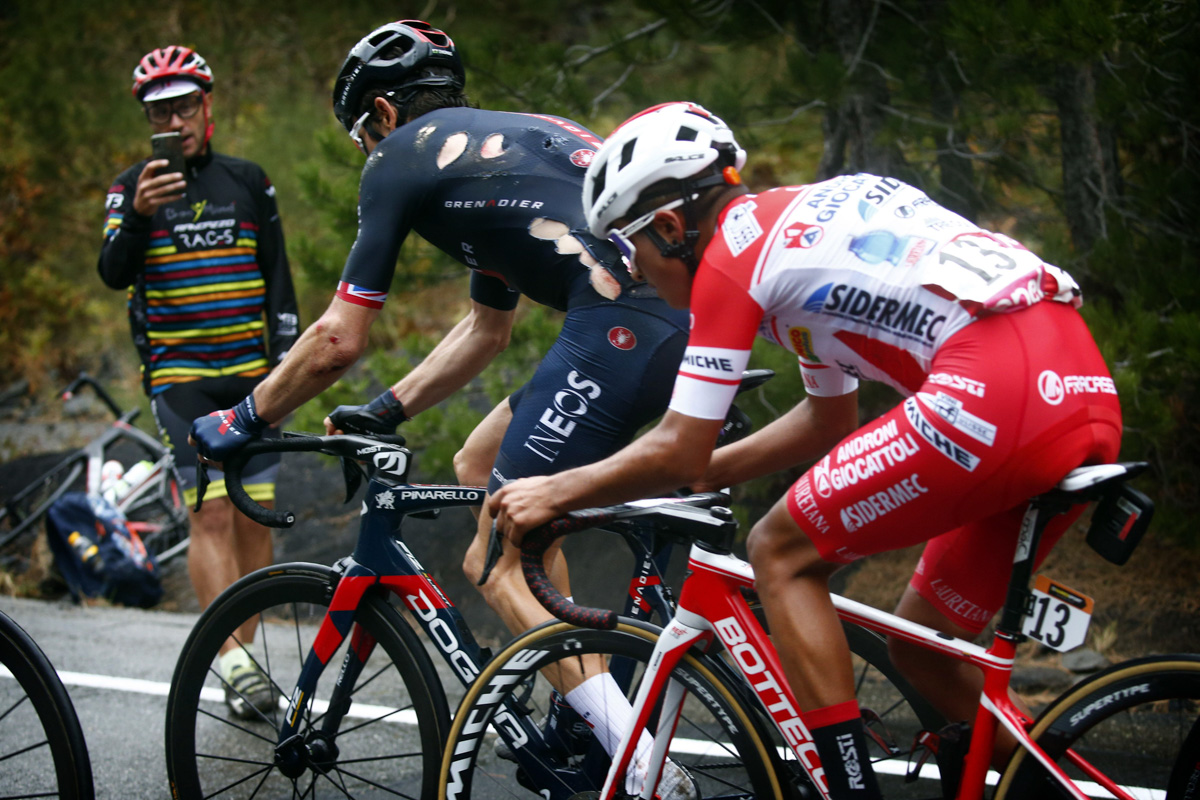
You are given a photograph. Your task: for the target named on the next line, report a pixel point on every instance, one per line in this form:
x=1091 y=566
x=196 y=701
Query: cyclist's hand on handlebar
x=356 y=419
x=222 y=433
x=523 y=505
x=382 y=415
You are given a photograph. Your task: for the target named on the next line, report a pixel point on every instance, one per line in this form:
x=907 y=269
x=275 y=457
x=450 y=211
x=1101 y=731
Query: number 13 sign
x=1060 y=615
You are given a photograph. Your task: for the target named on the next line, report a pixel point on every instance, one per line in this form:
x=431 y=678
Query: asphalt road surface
x=116 y=664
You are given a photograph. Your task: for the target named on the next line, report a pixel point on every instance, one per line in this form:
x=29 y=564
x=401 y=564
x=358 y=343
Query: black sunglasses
x=186 y=107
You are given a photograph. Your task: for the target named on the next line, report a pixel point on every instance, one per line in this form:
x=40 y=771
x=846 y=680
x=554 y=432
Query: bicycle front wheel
x=717 y=741
x=386 y=744
x=1135 y=723
x=42 y=749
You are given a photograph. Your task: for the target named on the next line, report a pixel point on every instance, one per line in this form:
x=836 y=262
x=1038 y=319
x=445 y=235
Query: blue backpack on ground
x=98 y=555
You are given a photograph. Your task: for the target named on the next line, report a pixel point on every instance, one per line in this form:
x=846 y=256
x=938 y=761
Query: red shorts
x=1011 y=404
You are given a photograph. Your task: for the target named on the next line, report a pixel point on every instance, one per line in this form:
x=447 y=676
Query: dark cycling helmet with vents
x=404 y=55
x=668 y=142
x=161 y=65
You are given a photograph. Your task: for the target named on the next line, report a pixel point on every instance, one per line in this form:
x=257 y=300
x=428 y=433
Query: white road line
x=409 y=717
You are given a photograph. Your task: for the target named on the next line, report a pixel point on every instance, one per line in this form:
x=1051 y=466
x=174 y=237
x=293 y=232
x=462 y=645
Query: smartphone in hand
x=170 y=147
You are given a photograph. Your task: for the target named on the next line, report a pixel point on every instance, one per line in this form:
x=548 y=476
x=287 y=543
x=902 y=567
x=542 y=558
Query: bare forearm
x=666 y=458
x=459 y=357
x=650 y=467
x=322 y=355
x=802 y=435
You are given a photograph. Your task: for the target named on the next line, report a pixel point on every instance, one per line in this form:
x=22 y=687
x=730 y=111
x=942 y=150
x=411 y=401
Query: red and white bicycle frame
x=711 y=605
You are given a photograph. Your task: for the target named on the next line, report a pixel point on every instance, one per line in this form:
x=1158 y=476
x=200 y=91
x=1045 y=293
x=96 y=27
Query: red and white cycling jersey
x=862 y=277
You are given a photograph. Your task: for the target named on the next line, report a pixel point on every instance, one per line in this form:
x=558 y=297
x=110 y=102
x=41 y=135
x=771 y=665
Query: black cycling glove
x=382 y=415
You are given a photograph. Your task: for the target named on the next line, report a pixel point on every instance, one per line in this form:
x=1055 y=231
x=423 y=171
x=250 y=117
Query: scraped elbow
x=344 y=352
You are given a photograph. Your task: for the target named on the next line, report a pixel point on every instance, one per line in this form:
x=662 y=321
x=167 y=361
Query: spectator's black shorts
x=174 y=411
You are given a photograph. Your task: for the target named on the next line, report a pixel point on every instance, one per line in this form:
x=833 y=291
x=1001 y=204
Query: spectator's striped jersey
x=210 y=294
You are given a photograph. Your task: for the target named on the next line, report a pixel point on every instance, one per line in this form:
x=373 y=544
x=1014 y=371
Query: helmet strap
x=686 y=250
x=209 y=126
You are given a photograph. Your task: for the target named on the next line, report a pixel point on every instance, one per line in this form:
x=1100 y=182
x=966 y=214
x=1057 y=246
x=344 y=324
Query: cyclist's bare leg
x=473 y=463
x=506 y=592
x=793 y=583
x=473 y=467
x=952 y=686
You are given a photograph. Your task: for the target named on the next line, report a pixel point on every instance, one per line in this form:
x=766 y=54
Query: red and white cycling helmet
x=167 y=70
x=671 y=141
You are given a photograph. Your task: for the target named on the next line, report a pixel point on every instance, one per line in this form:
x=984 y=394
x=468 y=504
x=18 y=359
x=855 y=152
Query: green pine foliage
x=968 y=99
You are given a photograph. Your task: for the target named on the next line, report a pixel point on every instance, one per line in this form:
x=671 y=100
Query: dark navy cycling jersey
x=501 y=192
x=486 y=187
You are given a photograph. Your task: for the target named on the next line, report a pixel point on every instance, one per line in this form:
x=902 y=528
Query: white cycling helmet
x=671 y=141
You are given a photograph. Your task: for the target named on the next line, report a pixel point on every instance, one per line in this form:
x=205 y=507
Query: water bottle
x=110 y=474
x=89 y=553
x=136 y=475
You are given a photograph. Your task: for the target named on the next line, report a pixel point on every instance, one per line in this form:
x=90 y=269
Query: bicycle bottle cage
x=1118 y=523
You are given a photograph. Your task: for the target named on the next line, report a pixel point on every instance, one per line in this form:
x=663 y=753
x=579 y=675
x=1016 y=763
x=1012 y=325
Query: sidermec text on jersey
x=903 y=318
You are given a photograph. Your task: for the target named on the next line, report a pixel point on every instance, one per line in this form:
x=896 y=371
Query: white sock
x=603 y=706
x=237 y=657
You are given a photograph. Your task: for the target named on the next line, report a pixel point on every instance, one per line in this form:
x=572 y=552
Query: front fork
x=293 y=753
x=676 y=639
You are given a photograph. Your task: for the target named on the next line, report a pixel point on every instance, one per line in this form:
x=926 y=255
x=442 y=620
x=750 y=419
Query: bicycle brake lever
x=352 y=473
x=202 y=481
x=494 y=551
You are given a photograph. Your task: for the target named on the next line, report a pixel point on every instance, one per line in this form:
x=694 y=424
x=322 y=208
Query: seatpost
x=1017 y=604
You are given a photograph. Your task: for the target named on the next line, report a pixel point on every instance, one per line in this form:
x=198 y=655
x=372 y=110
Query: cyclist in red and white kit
x=864 y=278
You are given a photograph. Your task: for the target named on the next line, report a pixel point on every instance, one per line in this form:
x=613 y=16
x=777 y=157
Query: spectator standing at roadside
x=212 y=311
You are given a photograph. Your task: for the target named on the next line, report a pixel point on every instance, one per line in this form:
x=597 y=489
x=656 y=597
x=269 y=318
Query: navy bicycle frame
x=381 y=561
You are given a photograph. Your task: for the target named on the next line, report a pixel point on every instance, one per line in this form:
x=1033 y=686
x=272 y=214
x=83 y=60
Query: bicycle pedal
x=878 y=733
x=949 y=748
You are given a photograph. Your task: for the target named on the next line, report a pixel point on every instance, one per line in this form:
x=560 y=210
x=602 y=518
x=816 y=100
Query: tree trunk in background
x=957 y=191
x=1087 y=183
x=854 y=127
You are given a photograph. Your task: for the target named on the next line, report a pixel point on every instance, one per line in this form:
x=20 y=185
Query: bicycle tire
x=210 y=753
x=43 y=752
x=1136 y=721
x=720 y=743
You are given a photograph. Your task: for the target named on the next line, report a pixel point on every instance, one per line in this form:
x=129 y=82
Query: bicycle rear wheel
x=1138 y=723
x=387 y=745
x=717 y=741
x=42 y=749
x=895 y=713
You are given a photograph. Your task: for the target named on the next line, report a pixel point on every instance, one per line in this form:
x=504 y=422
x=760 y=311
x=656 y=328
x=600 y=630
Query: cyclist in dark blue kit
x=499 y=192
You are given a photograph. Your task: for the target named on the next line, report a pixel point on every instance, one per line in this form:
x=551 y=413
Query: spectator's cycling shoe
x=249 y=693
